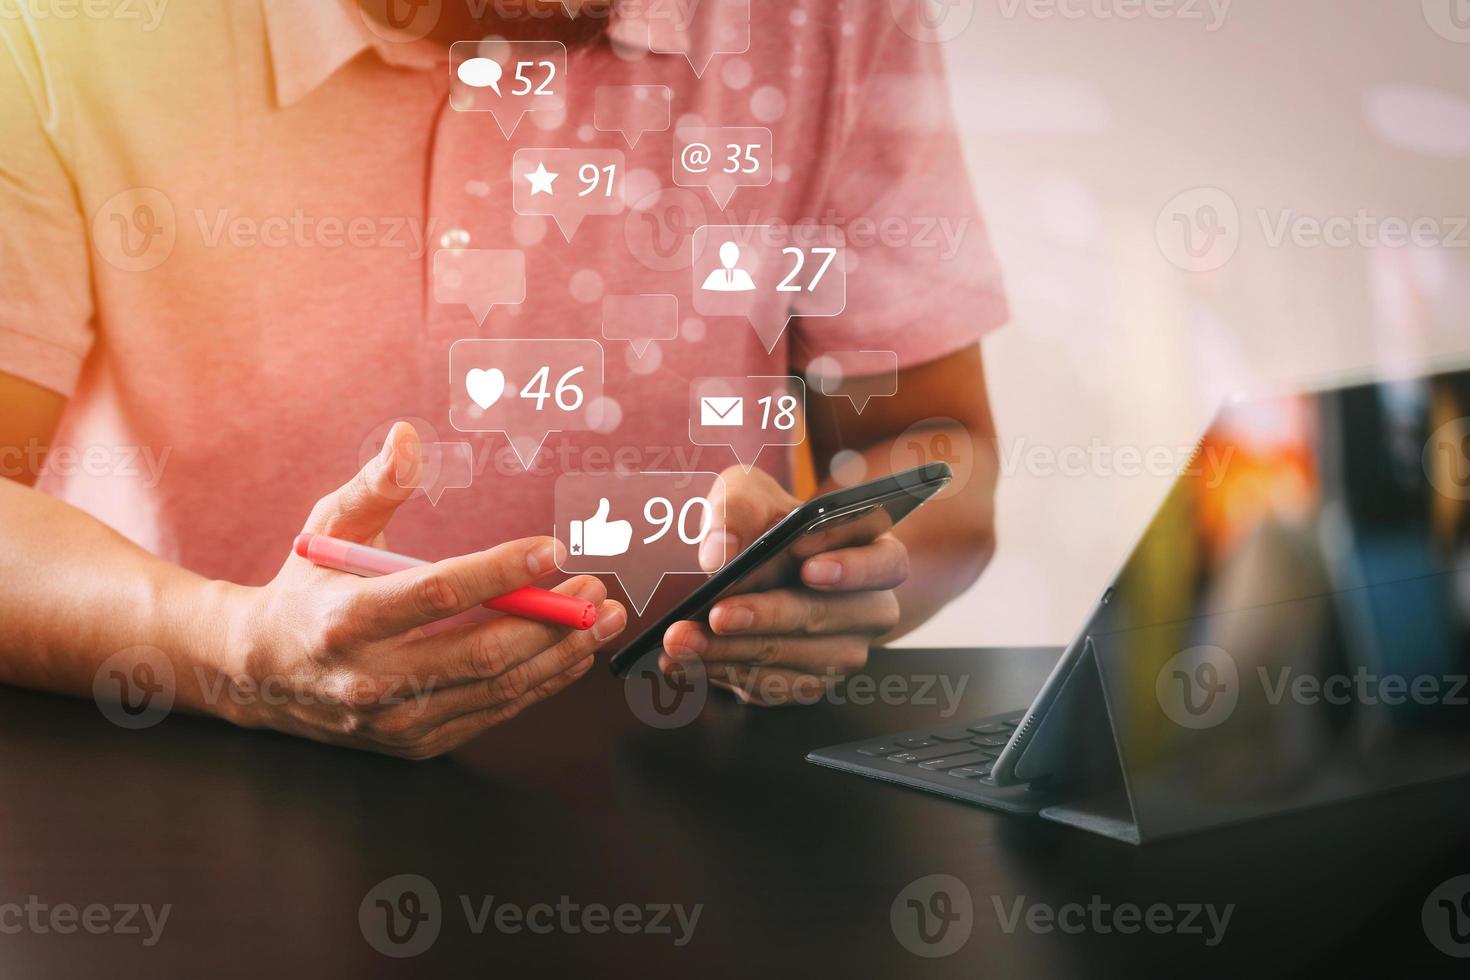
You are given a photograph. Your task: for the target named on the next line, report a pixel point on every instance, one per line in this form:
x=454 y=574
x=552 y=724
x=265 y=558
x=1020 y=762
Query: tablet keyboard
x=952 y=760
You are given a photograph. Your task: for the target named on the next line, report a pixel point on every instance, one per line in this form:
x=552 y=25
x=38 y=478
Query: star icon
x=541 y=179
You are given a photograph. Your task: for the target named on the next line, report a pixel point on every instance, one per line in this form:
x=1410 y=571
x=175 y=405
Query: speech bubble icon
x=636 y=527
x=508 y=79
x=723 y=159
x=540 y=386
x=480 y=73
x=480 y=279
x=767 y=274
x=568 y=185
x=857 y=375
x=632 y=110
x=747 y=414
x=442 y=466
x=698 y=29
x=640 y=320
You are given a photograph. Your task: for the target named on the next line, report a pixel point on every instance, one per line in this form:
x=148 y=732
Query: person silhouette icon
x=728 y=278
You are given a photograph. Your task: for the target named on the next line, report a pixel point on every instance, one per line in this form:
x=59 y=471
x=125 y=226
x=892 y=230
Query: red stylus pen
x=528 y=603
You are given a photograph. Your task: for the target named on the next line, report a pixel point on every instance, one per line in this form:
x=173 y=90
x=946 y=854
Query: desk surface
x=265 y=847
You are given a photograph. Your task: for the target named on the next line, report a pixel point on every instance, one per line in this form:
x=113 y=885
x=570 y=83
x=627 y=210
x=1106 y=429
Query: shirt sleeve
x=923 y=280
x=45 y=276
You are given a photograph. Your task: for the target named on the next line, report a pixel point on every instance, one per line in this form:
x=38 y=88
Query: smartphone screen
x=841 y=519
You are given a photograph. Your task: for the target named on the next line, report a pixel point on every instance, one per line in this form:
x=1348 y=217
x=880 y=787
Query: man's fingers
x=456 y=732
x=884 y=564
x=689 y=644
x=361 y=509
x=501 y=650
x=800 y=611
x=742 y=506
x=394 y=604
x=529 y=674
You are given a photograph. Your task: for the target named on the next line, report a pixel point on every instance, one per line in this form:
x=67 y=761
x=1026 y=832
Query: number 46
x=788 y=285
x=568 y=396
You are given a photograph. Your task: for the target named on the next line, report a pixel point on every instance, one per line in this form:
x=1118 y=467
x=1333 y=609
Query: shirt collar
x=311 y=39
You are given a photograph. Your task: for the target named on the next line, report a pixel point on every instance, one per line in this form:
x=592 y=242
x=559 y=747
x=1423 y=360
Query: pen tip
x=303 y=542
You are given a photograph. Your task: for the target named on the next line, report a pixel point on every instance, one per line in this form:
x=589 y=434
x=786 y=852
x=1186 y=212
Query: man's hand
x=809 y=619
x=349 y=660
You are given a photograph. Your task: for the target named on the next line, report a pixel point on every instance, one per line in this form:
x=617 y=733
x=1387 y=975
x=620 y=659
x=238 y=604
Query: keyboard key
x=915 y=742
x=1012 y=723
x=969 y=772
x=954 y=761
x=922 y=755
x=884 y=749
x=996 y=740
x=989 y=728
x=952 y=735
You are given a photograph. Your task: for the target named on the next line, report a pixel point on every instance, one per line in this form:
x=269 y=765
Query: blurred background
x=1189 y=198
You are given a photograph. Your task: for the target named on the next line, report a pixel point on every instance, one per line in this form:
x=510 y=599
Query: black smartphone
x=842 y=518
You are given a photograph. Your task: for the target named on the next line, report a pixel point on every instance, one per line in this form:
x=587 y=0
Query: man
x=217 y=242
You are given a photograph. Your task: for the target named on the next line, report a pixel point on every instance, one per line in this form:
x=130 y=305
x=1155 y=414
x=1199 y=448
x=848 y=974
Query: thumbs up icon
x=597 y=537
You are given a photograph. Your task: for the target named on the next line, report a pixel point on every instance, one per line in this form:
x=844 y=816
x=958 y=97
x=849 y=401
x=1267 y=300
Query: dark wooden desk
x=265 y=847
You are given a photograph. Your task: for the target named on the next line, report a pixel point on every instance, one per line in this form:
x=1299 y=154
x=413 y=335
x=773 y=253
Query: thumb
x=603 y=509
x=361 y=509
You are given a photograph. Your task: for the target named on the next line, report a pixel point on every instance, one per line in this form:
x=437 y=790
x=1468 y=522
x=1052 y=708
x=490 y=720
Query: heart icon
x=485 y=387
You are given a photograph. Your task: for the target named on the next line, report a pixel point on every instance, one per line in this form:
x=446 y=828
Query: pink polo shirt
x=217 y=235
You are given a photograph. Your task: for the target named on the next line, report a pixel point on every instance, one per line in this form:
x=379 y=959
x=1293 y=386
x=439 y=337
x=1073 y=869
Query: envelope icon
x=721 y=410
